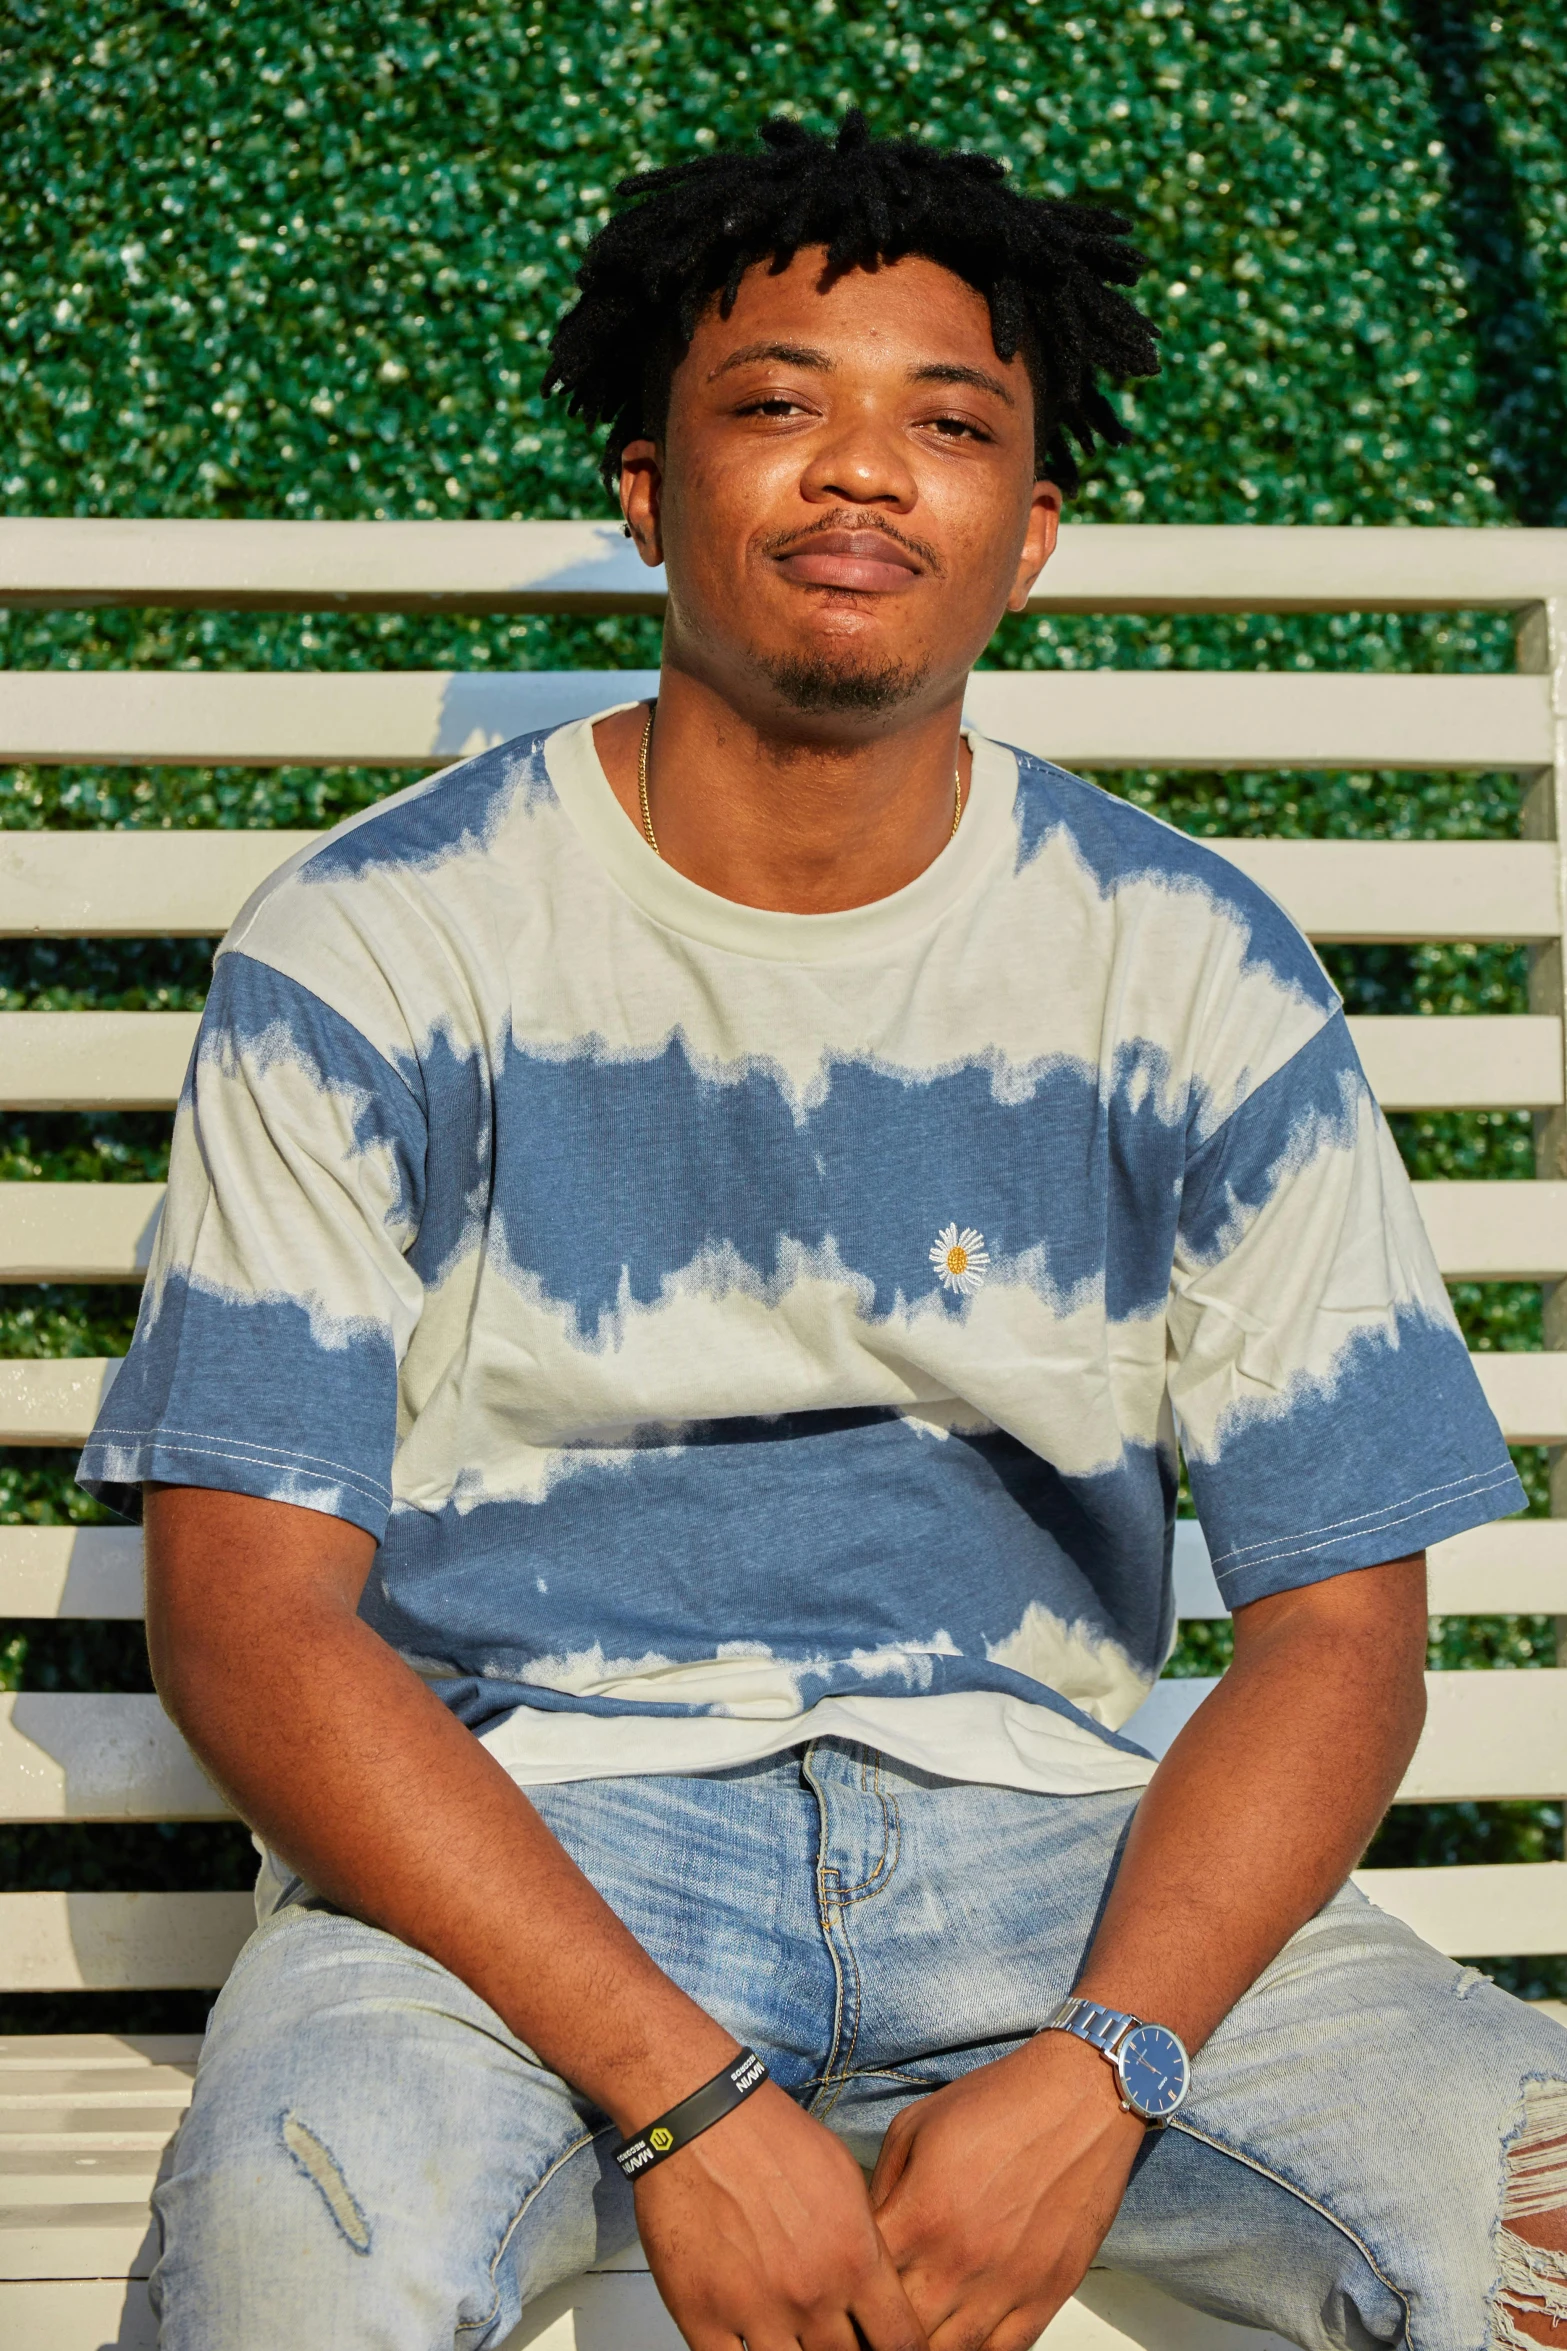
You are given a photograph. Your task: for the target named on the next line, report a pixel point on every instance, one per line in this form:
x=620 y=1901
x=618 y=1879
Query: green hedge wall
x=274 y=259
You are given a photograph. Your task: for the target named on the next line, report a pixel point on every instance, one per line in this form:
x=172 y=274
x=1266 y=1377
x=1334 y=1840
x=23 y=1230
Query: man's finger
x=892 y=2159
x=708 y=2338
x=940 y=2303
x=987 y=2324
x=830 y=2334
x=1023 y=2328
x=974 y=2320
x=884 y=2314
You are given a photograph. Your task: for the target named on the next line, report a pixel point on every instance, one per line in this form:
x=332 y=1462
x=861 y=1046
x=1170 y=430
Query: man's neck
x=784 y=817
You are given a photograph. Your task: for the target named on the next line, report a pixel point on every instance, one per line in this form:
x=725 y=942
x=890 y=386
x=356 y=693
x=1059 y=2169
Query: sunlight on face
x=845 y=492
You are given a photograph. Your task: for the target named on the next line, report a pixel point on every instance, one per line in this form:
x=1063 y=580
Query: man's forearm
x=331 y=1747
x=1267 y=1799
x=1250 y=1823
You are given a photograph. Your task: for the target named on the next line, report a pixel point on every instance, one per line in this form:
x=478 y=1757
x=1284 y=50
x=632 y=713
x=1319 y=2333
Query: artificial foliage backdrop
x=274 y=259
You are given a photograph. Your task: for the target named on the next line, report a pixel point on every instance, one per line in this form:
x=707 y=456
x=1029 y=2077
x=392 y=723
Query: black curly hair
x=1048 y=271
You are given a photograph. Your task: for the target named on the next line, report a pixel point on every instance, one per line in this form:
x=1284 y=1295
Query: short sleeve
x=1327 y=1407
x=280 y=1301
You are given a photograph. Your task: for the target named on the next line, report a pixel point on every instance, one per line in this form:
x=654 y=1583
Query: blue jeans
x=372 y=2158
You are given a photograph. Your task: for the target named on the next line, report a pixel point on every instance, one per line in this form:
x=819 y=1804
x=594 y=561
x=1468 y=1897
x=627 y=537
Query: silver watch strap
x=1103 y=2028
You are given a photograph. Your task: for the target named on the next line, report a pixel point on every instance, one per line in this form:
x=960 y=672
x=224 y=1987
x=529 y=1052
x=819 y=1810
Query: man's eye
x=775 y=405
x=957 y=428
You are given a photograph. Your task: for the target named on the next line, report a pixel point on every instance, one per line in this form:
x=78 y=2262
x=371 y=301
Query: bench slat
x=1517 y=1566
x=602 y=2308
x=70 y=2304
x=64 y=1756
x=1528 y=1394
x=271 y=718
x=54 y=1942
x=191 y=884
x=68 y=1757
x=26 y=2052
x=54 y=1401
x=1489 y=1737
x=72 y=2301
x=325 y=566
x=1081 y=718
x=1415 y=1061
x=78 y=1232
x=71 y=1572
x=104 y=1232
x=1490 y=1232
x=1478 y=1912
x=57 y=1942
x=94 y=1060
x=1368 y=891
x=588 y=566
x=1272 y=719
x=75 y=2241
x=1513 y=1567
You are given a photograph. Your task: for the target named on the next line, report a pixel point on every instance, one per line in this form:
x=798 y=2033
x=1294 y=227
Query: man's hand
x=761 y=2230
x=993 y=2195
x=327 y=1741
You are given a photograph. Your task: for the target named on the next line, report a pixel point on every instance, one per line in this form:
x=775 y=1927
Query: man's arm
x=994 y=2194
x=335 y=1750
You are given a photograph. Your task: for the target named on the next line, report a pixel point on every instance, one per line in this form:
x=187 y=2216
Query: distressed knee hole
x=320 y=2166
x=1531 y=2296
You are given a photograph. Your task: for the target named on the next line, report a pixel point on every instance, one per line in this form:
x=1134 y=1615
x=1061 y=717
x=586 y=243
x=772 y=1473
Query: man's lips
x=863 y=560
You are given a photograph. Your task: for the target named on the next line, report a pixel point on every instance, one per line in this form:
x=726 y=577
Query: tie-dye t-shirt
x=735 y=1326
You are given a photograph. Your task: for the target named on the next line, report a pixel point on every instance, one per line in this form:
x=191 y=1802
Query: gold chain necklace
x=647 y=814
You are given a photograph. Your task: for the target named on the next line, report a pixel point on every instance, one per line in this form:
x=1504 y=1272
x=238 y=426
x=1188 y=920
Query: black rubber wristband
x=692 y=2116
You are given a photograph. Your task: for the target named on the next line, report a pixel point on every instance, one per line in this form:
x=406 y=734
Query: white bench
x=84 y=2118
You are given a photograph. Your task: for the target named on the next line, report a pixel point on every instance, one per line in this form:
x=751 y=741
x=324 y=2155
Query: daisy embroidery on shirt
x=960 y=1259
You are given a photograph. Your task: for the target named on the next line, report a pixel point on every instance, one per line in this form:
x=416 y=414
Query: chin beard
x=812 y=683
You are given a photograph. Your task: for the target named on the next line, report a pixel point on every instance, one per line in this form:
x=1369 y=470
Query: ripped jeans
x=371 y=2158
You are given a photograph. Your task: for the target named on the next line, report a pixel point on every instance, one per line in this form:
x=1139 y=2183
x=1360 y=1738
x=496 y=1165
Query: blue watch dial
x=1154 y=2072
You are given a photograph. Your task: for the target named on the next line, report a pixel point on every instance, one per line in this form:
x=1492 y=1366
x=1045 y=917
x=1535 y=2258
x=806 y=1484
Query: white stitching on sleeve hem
x=256 y=1457
x=1370 y=1522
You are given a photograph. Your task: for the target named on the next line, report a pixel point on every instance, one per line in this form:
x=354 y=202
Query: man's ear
x=1039 y=542
x=641 y=482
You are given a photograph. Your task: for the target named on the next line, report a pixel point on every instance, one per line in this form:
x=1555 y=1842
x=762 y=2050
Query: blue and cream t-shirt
x=736 y=1326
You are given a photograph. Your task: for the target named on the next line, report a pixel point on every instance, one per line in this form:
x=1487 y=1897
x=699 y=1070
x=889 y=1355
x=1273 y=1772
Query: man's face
x=844 y=495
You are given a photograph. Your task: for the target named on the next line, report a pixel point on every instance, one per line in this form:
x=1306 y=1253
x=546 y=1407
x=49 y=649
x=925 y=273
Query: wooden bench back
x=79 y=1757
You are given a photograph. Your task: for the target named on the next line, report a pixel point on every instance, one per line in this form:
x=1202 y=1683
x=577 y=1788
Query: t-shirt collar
x=682 y=905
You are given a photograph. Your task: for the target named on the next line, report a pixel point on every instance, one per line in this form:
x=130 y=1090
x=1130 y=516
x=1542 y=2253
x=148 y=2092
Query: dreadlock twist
x=1047 y=270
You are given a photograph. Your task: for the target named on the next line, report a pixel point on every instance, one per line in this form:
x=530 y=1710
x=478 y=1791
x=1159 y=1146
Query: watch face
x=1153 y=2070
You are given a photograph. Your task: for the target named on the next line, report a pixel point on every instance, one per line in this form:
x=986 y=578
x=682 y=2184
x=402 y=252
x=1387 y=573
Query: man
x=690 y=1242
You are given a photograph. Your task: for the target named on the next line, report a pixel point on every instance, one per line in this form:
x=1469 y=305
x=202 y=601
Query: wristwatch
x=1154 y=2070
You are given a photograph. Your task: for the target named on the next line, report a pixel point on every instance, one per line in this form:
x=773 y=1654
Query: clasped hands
x=990 y=2199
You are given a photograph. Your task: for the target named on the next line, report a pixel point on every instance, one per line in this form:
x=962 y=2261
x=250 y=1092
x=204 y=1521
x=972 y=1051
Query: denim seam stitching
x=837 y=2073
x=837 y=2080
x=887 y=2073
x=891 y=1842
x=481 y=2326
x=824 y=1816
x=1303 y=2195
x=839 y=2077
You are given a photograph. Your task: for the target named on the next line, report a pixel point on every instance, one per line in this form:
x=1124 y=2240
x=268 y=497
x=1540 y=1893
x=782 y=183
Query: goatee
x=812 y=683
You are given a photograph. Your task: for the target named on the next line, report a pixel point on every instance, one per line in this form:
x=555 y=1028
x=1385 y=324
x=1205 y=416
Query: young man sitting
x=691 y=1242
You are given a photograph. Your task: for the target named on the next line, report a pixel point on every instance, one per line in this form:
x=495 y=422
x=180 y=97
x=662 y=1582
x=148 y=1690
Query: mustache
x=849 y=518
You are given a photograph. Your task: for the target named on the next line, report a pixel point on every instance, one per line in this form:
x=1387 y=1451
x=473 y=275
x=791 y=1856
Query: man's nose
x=859 y=460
